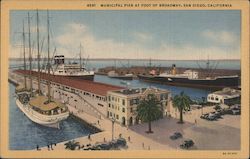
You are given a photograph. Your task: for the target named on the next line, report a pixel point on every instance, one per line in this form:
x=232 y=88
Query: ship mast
x=48 y=62
x=38 y=55
x=80 y=57
x=30 y=66
x=24 y=59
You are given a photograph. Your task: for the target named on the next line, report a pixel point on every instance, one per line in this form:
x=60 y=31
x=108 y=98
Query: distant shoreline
x=112 y=59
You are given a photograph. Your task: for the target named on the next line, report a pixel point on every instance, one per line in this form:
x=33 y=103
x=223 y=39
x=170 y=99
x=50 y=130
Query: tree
x=148 y=110
x=181 y=102
x=71 y=145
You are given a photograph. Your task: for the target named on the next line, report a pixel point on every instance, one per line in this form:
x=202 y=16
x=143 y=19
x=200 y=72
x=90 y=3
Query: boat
x=113 y=74
x=41 y=109
x=71 y=70
x=190 y=78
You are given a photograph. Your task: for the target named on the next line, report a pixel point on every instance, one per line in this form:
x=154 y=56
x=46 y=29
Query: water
x=91 y=64
x=25 y=134
x=195 y=94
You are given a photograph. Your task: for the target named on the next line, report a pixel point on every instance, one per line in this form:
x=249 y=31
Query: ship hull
x=122 y=77
x=217 y=83
x=83 y=77
x=53 y=122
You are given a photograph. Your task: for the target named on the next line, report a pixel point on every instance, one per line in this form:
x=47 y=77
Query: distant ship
x=113 y=74
x=41 y=109
x=190 y=78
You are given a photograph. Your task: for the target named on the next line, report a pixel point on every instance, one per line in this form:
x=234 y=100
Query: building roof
x=135 y=91
x=89 y=86
x=228 y=92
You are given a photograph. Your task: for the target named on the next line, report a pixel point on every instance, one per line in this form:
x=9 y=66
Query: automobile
x=187 y=144
x=204 y=116
x=121 y=142
x=235 y=111
x=104 y=146
x=211 y=117
x=176 y=135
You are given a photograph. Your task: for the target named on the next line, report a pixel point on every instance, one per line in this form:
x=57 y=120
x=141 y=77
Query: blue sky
x=136 y=34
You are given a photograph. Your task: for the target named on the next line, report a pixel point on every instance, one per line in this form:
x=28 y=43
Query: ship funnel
x=59 y=59
x=173 y=69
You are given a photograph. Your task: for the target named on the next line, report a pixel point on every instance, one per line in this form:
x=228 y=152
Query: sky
x=162 y=34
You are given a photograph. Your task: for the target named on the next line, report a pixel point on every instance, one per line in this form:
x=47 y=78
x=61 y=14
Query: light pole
x=113 y=122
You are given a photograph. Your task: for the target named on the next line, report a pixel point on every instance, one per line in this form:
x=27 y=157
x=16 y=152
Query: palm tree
x=181 y=102
x=149 y=109
x=71 y=145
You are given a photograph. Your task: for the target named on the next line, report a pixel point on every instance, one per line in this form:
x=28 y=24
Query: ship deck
x=40 y=102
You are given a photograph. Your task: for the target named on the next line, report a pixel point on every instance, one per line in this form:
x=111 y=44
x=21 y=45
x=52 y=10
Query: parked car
x=204 y=116
x=187 y=144
x=176 y=135
x=235 y=111
x=121 y=142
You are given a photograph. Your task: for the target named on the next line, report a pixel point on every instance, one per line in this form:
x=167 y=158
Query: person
x=129 y=138
x=98 y=122
x=143 y=145
x=48 y=147
x=104 y=139
x=51 y=146
x=37 y=147
x=120 y=135
x=89 y=136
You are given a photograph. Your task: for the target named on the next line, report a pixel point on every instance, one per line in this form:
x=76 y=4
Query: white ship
x=43 y=110
x=73 y=70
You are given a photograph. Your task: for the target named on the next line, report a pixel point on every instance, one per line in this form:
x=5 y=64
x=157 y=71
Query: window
x=123 y=110
x=100 y=104
x=109 y=98
x=131 y=110
x=109 y=105
x=212 y=98
x=112 y=98
x=123 y=102
x=117 y=116
x=217 y=98
x=110 y=114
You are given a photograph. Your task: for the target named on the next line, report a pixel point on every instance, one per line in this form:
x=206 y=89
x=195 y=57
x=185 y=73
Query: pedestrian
x=129 y=138
x=51 y=146
x=143 y=145
x=120 y=135
x=89 y=136
x=48 y=147
x=98 y=122
x=104 y=139
x=37 y=147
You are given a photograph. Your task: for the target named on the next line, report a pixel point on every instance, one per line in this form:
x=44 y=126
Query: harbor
x=118 y=103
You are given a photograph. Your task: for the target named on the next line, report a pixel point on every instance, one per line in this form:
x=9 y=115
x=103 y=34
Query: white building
x=225 y=96
x=122 y=104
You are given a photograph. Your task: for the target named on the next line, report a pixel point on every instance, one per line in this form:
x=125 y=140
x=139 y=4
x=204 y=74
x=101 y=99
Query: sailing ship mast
x=24 y=59
x=80 y=57
x=48 y=62
x=38 y=54
x=30 y=66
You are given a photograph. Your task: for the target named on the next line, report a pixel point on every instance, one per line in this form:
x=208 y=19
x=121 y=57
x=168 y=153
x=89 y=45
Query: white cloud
x=223 y=37
x=73 y=34
x=140 y=36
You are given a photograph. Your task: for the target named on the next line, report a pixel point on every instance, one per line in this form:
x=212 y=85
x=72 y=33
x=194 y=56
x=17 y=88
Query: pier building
x=122 y=104
x=226 y=96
